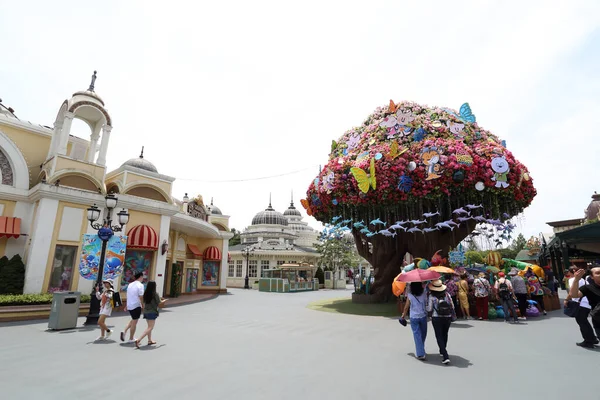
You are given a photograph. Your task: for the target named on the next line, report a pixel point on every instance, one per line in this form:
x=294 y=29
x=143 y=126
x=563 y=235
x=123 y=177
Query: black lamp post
x=105 y=232
x=246 y=253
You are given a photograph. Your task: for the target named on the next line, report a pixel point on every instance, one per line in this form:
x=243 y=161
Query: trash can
x=65 y=310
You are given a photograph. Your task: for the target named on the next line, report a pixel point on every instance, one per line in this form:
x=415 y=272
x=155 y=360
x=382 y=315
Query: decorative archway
x=160 y=192
x=12 y=164
x=97 y=185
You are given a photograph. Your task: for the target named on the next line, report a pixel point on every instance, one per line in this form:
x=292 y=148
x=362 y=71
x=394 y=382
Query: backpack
x=503 y=290
x=444 y=309
x=116 y=300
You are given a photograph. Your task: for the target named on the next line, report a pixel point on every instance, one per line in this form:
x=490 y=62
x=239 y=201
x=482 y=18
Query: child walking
x=106 y=308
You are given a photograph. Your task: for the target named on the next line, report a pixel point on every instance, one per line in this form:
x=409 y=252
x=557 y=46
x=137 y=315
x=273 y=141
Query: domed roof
x=292 y=211
x=269 y=217
x=591 y=212
x=214 y=209
x=141 y=163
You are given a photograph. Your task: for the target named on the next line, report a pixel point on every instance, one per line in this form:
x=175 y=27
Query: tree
x=472 y=246
x=409 y=162
x=12 y=276
x=518 y=243
x=320 y=275
x=474 y=257
x=236 y=239
x=336 y=250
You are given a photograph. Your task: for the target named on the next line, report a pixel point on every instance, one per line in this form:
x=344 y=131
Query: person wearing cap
x=504 y=290
x=482 y=292
x=106 y=307
x=520 y=290
x=442 y=314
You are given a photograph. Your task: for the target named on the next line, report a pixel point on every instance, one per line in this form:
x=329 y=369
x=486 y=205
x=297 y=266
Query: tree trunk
x=387 y=253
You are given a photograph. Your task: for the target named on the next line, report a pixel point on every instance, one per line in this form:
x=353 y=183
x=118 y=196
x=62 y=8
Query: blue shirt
x=417 y=305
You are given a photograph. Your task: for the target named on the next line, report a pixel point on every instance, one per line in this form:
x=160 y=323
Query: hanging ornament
x=378 y=156
x=334 y=202
x=458 y=176
x=412 y=166
x=480 y=186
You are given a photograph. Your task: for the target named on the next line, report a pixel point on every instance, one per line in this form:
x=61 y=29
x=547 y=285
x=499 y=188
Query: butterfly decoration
x=364 y=179
x=393 y=107
x=306 y=206
x=405 y=183
x=362 y=156
x=316 y=201
x=466 y=115
x=395 y=150
x=353 y=142
x=334 y=145
x=419 y=134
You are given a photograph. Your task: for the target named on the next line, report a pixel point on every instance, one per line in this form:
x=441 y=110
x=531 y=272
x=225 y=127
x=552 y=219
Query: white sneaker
x=99 y=338
x=446 y=361
x=108 y=333
x=132 y=340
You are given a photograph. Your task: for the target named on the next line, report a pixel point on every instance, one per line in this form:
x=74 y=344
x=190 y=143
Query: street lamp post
x=105 y=232
x=246 y=253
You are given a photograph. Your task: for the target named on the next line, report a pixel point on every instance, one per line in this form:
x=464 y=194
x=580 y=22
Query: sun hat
x=109 y=282
x=501 y=274
x=513 y=271
x=437 y=286
x=481 y=275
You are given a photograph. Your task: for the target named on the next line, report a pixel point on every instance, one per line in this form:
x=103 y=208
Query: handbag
x=571 y=308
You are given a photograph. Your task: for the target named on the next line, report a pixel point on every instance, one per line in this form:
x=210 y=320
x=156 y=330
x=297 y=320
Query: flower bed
x=32 y=299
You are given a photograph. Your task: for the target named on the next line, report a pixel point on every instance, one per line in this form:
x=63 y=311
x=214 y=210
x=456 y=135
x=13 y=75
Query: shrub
x=320 y=275
x=12 y=276
x=32 y=299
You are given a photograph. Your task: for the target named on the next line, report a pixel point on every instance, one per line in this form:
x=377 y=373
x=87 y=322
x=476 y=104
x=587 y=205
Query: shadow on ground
x=346 y=306
x=436 y=360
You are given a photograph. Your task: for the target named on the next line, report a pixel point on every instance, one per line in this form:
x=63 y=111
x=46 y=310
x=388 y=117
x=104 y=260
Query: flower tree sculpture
x=416 y=179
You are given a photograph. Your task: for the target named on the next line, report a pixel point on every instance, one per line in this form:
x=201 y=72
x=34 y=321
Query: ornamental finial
x=91 y=88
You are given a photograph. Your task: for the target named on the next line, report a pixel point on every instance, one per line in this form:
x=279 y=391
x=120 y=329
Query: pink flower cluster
x=459 y=146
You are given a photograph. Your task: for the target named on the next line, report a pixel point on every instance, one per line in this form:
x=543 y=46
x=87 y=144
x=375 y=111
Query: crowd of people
x=452 y=297
x=140 y=301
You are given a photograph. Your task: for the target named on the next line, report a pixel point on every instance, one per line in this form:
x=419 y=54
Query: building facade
x=50 y=178
x=271 y=240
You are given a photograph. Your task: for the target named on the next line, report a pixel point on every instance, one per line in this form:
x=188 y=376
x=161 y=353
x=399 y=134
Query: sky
x=224 y=94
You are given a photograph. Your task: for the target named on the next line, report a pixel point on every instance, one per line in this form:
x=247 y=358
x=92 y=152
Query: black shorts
x=135 y=313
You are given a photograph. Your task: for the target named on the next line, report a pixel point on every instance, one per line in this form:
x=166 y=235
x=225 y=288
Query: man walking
x=583 y=312
x=505 y=293
x=520 y=290
x=135 y=301
x=482 y=291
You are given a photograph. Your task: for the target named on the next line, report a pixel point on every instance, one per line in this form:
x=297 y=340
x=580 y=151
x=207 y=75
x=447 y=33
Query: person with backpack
x=505 y=292
x=482 y=291
x=416 y=300
x=442 y=314
x=582 y=314
x=591 y=290
x=106 y=307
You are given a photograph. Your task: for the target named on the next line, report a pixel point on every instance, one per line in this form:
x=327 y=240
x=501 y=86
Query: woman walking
x=482 y=292
x=416 y=300
x=106 y=308
x=443 y=313
x=535 y=289
x=152 y=302
x=463 y=298
x=520 y=289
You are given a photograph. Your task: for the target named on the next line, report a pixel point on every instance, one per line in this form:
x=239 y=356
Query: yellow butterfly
x=365 y=180
x=395 y=151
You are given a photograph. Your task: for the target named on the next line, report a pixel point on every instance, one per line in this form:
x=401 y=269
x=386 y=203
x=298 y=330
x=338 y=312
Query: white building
x=273 y=239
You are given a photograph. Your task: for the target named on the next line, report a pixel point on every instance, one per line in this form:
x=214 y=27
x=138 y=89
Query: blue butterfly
x=405 y=183
x=465 y=113
x=419 y=135
x=316 y=201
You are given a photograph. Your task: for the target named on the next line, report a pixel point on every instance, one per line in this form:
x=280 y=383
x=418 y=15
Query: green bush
x=32 y=299
x=12 y=276
x=320 y=275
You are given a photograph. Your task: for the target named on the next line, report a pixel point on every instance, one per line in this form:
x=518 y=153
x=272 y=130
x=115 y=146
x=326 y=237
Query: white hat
x=437 y=286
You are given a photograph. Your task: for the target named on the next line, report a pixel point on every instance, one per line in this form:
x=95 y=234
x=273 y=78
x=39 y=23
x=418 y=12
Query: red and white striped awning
x=212 y=253
x=142 y=237
x=10 y=227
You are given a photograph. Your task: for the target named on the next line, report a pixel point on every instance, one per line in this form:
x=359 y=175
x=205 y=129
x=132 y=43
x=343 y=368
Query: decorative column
x=224 y=270
x=93 y=143
x=104 y=145
x=161 y=259
x=58 y=125
x=64 y=134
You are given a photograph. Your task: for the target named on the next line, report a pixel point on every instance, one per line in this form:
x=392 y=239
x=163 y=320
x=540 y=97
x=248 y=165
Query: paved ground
x=251 y=345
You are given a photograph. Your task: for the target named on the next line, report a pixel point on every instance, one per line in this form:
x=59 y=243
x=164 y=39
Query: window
x=252 y=267
x=238 y=268
x=280 y=262
x=210 y=273
x=264 y=265
x=231 y=272
x=62 y=268
x=136 y=261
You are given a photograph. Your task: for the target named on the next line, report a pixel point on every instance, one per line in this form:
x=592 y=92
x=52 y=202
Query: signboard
x=197 y=211
x=90 y=257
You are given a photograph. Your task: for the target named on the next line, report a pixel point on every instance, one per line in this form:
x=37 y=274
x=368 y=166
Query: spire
x=211 y=201
x=91 y=88
x=292 y=199
x=270 y=206
x=142 y=153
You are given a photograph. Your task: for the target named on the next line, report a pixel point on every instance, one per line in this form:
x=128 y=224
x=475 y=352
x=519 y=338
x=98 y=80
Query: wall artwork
x=90 y=257
x=136 y=261
x=210 y=273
